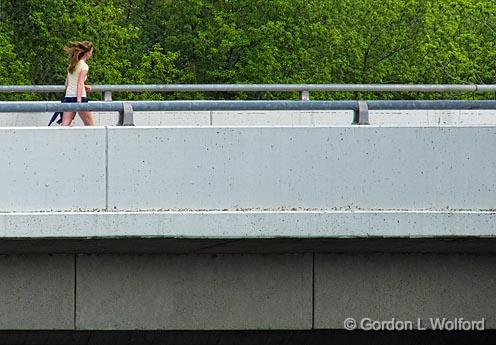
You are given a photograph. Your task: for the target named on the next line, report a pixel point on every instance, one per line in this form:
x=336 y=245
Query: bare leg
x=67 y=118
x=87 y=118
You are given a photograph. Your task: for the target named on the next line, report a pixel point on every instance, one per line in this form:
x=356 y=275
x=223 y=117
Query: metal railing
x=360 y=108
x=302 y=89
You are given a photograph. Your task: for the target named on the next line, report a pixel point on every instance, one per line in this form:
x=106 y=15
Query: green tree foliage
x=252 y=41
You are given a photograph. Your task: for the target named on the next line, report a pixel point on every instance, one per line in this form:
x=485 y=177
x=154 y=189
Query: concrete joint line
x=106 y=169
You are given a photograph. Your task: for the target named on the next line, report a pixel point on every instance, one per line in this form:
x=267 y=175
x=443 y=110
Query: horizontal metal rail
x=40 y=106
x=262 y=87
x=303 y=89
x=360 y=108
x=35 y=106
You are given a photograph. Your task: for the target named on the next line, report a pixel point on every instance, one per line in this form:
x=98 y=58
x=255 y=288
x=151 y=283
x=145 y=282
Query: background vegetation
x=252 y=41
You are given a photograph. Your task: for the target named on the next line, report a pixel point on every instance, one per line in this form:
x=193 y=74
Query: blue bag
x=54 y=117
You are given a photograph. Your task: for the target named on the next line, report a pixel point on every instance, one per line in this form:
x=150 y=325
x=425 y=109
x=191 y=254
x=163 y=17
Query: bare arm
x=80 y=85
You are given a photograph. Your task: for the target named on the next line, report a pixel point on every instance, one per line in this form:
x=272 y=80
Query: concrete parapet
x=45 y=169
x=350 y=168
x=275 y=118
x=337 y=168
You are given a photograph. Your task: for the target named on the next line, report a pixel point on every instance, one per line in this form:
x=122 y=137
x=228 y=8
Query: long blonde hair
x=76 y=50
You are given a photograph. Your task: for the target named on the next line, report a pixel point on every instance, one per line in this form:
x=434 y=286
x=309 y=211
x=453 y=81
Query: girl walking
x=75 y=88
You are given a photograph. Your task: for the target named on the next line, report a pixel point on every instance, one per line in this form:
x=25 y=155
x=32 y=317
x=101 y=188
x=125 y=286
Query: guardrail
x=359 y=108
x=302 y=89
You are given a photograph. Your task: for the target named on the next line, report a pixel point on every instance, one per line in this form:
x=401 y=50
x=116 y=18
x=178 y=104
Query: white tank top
x=72 y=79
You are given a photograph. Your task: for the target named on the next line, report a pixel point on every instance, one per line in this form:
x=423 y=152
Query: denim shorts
x=74 y=100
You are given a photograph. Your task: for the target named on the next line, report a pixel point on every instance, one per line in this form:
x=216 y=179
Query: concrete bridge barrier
x=412 y=118
x=245 y=228
x=261 y=168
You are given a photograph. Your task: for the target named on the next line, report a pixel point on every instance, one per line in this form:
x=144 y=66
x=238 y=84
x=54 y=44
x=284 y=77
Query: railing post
x=361 y=116
x=126 y=115
x=107 y=96
x=304 y=95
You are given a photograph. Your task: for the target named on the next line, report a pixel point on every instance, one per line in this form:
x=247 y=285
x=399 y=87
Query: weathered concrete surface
x=350 y=167
x=52 y=169
x=249 y=224
x=275 y=118
x=241 y=291
x=37 y=292
x=404 y=287
x=194 y=292
x=245 y=168
x=148 y=118
x=281 y=118
x=246 y=184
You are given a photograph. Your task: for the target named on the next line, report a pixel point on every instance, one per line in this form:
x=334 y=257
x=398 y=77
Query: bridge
x=234 y=233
